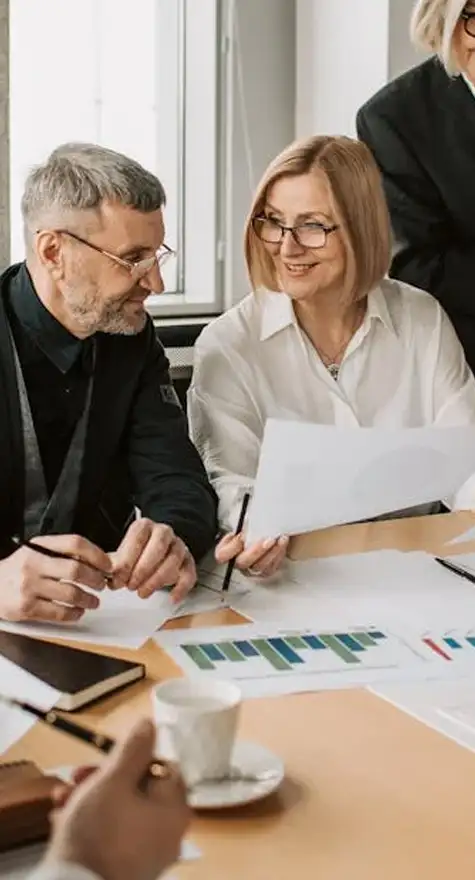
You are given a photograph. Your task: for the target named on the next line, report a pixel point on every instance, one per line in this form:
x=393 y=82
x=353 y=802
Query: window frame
x=200 y=243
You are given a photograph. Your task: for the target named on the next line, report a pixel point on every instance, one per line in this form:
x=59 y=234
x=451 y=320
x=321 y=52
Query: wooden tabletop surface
x=369 y=792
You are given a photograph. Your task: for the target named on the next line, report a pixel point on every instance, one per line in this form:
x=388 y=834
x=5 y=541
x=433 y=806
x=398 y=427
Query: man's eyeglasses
x=306 y=235
x=137 y=269
x=468 y=19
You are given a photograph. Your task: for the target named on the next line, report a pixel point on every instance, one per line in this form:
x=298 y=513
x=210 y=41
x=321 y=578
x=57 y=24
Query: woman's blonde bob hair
x=359 y=204
x=432 y=27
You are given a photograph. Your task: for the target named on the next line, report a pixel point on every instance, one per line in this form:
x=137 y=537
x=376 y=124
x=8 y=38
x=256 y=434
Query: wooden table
x=369 y=793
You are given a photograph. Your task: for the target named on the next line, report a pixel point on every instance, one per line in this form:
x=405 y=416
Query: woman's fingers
x=270 y=563
x=261 y=559
x=228 y=548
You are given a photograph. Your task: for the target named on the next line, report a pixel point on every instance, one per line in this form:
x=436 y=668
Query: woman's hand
x=262 y=559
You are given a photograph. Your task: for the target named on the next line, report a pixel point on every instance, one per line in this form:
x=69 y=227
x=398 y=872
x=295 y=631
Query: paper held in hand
x=313 y=476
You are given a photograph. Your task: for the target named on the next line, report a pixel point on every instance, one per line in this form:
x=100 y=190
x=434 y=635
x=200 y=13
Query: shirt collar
x=377 y=309
x=54 y=340
x=468 y=83
x=277 y=312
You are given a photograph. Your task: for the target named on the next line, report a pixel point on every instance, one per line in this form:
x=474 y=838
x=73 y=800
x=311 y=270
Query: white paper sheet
x=122 y=620
x=18 y=865
x=464 y=560
x=384 y=585
x=15 y=682
x=435 y=703
x=312 y=476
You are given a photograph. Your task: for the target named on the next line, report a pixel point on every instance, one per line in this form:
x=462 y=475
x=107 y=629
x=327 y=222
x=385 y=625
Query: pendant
x=333 y=369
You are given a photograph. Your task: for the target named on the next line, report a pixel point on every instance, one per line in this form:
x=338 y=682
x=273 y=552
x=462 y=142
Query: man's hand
x=263 y=559
x=37 y=587
x=151 y=557
x=116 y=828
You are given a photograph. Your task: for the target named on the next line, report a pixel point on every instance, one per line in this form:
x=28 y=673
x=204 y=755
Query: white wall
x=402 y=54
x=260 y=113
x=346 y=51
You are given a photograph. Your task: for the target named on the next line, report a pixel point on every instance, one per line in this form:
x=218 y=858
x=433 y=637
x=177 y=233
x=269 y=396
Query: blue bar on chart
x=314 y=643
x=349 y=642
x=247 y=649
x=451 y=642
x=285 y=650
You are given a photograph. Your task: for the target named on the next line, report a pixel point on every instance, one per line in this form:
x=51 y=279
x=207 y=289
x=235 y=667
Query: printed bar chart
x=280 y=659
x=285 y=652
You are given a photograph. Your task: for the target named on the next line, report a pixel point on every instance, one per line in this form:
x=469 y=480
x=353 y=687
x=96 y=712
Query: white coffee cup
x=196 y=726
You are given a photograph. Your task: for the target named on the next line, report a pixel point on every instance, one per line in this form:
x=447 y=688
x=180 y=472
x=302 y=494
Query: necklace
x=333 y=363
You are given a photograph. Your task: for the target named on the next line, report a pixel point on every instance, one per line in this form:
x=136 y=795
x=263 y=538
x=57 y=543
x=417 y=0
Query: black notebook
x=80 y=676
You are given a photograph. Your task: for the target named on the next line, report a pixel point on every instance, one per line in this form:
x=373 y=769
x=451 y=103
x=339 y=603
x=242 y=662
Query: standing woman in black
x=421 y=130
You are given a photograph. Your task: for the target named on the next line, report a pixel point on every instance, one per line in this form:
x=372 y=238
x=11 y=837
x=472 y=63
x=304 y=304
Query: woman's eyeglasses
x=306 y=235
x=468 y=19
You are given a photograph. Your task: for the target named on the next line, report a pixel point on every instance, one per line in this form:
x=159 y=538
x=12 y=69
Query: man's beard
x=96 y=316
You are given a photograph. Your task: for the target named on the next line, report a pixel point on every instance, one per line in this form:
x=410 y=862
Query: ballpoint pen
x=99 y=740
x=232 y=562
x=456 y=569
x=56 y=554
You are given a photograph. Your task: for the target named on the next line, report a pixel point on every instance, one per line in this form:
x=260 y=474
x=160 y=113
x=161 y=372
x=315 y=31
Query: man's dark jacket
x=421 y=130
x=137 y=450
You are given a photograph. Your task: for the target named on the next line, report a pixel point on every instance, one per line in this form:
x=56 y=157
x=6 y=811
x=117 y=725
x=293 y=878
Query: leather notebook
x=25 y=804
x=80 y=676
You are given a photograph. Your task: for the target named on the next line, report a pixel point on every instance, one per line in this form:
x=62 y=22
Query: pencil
x=232 y=562
x=99 y=740
x=56 y=554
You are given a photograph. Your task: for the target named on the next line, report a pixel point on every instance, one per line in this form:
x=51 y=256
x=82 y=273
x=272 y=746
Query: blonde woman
x=421 y=130
x=323 y=336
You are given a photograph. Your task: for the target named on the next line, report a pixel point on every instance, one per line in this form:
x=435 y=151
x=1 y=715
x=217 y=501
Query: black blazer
x=421 y=130
x=137 y=448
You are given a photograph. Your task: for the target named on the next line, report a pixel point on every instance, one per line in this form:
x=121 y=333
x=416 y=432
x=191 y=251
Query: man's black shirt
x=55 y=366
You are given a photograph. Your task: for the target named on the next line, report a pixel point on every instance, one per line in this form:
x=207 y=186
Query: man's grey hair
x=79 y=177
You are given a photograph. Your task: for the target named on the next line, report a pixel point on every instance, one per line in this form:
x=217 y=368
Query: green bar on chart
x=364 y=639
x=296 y=642
x=337 y=648
x=230 y=652
x=199 y=658
x=269 y=654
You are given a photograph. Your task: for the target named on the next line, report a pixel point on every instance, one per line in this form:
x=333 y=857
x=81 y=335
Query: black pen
x=99 y=740
x=456 y=569
x=232 y=562
x=56 y=554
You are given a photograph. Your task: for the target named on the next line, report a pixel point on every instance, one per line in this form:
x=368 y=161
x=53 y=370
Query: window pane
x=138 y=76
x=113 y=98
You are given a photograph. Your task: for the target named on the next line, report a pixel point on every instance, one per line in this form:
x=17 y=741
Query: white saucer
x=249 y=759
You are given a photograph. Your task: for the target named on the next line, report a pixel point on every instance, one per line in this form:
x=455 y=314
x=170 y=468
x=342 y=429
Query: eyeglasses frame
x=466 y=17
x=294 y=233
x=135 y=268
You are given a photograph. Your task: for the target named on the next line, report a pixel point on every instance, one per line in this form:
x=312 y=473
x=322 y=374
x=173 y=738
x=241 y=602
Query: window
x=140 y=77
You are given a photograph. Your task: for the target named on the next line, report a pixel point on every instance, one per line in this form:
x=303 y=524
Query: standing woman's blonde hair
x=359 y=204
x=432 y=27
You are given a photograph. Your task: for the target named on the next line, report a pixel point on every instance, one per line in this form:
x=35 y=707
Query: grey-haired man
x=90 y=427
